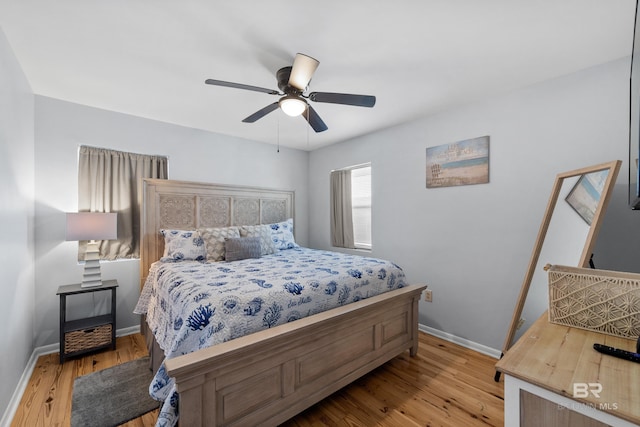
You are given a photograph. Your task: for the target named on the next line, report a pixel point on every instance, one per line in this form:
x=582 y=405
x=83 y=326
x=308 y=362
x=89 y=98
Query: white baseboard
x=496 y=354
x=10 y=412
x=7 y=417
x=127 y=331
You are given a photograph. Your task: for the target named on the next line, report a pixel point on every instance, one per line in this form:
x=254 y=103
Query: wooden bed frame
x=268 y=377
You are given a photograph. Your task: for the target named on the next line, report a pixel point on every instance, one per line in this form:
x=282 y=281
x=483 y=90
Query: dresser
x=554 y=377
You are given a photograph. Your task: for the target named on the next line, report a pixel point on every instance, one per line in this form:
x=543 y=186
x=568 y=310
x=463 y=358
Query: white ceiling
x=150 y=58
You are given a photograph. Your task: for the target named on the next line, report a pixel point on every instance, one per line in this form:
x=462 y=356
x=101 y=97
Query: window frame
x=362 y=245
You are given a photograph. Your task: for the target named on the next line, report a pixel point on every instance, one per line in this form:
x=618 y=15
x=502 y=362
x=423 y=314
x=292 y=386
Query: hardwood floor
x=444 y=385
x=47 y=399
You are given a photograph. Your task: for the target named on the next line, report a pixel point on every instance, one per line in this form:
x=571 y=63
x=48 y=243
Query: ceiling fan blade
x=343 y=98
x=261 y=113
x=241 y=86
x=303 y=68
x=314 y=120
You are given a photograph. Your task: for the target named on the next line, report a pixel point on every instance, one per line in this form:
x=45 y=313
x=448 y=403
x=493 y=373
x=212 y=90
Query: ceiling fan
x=293 y=82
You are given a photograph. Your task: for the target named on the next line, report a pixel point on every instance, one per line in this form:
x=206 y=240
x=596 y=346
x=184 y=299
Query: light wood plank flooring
x=445 y=385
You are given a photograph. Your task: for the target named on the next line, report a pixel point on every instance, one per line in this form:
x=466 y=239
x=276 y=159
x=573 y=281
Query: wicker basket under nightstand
x=84 y=335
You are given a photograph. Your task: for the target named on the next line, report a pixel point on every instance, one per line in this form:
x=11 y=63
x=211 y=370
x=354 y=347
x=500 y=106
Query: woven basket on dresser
x=597 y=300
x=87 y=338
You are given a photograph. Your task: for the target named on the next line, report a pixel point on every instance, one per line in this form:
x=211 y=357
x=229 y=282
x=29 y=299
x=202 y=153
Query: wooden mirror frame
x=594 y=228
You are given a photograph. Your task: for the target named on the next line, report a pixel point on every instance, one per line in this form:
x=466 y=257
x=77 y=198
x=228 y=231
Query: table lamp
x=92 y=226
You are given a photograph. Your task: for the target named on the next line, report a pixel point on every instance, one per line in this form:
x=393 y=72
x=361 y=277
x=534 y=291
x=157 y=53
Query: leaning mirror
x=567 y=235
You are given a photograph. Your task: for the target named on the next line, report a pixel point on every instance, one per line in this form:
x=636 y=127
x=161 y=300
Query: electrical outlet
x=428 y=296
x=520 y=323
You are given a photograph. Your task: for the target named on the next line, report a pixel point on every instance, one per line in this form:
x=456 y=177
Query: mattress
x=190 y=305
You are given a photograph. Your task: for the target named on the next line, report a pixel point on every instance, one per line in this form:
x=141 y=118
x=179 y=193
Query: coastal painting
x=460 y=163
x=585 y=195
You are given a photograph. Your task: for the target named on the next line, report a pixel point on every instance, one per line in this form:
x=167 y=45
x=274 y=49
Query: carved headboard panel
x=182 y=205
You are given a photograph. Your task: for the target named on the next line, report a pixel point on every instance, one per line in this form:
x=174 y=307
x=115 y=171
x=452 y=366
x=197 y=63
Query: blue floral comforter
x=192 y=305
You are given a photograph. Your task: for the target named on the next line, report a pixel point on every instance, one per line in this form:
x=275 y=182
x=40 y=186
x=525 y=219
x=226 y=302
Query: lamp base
x=92 y=275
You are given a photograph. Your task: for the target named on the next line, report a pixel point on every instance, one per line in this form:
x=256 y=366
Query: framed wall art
x=460 y=163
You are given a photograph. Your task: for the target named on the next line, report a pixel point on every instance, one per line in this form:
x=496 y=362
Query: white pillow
x=262 y=231
x=214 y=240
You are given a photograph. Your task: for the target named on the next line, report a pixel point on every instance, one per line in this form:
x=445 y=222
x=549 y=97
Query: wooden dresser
x=554 y=377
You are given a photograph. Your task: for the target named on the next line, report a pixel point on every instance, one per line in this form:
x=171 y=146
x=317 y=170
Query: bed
x=266 y=377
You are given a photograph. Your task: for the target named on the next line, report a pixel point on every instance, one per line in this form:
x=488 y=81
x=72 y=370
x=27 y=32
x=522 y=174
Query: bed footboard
x=268 y=377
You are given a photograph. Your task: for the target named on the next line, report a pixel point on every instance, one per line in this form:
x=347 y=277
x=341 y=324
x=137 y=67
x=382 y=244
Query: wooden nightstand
x=87 y=334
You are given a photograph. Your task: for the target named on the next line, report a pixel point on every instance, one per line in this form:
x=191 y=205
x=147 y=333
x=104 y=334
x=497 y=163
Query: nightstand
x=87 y=334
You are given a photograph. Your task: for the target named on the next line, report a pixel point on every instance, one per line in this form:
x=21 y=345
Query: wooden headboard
x=183 y=205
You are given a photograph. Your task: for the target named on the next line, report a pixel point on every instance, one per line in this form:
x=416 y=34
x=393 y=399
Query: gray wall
x=16 y=223
x=471 y=244
x=193 y=156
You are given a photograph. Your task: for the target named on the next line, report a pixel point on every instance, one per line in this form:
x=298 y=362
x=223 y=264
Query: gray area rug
x=112 y=396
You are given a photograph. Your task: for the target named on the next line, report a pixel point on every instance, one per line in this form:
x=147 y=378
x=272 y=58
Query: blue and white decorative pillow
x=282 y=235
x=183 y=245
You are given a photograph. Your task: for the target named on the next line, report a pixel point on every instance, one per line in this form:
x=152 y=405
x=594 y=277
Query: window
x=111 y=181
x=361 y=206
x=351 y=207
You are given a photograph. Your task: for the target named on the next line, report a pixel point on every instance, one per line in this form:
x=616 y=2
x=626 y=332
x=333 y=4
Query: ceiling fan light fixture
x=292 y=105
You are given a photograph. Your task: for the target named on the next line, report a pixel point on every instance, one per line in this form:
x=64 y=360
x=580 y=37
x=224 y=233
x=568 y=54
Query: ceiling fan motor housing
x=282 y=76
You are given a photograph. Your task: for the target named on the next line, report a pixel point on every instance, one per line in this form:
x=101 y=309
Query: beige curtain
x=341 y=215
x=111 y=181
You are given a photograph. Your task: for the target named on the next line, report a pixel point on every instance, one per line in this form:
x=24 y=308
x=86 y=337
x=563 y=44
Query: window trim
x=360 y=245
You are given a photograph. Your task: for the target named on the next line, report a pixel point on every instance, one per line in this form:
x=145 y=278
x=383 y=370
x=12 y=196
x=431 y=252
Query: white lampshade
x=92 y=226
x=303 y=68
x=292 y=105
